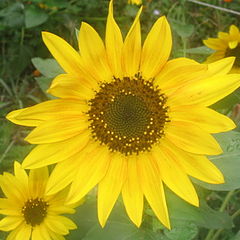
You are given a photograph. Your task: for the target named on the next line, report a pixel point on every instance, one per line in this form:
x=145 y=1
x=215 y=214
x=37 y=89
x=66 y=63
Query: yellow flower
x=128 y=120
x=30 y=214
x=137 y=2
x=226 y=45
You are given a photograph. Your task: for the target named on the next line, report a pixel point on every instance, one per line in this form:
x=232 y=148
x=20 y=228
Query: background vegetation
x=26 y=69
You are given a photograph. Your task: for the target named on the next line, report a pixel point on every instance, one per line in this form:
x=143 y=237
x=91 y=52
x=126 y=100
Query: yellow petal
x=177 y=72
x=91 y=169
x=11 y=222
x=205 y=91
x=93 y=52
x=9 y=207
x=62 y=175
x=132 y=192
x=156 y=48
x=153 y=188
x=56 y=236
x=170 y=170
x=53 y=223
x=218 y=55
x=12 y=188
x=13 y=117
x=56 y=210
x=233 y=44
x=24 y=233
x=205 y=118
x=66 y=56
x=68 y=223
x=46 y=154
x=132 y=48
x=21 y=175
x=114 y=43
x=192 y=138
x=37 y=181
x=220 y=67
x=40 y=232
x=110 y=187
x=58 y=130
x=46 y=111
x=70 y=86
x=234 y=31
x=12 y=235
x=223 y=35
x=197 y=166
x=215 y=43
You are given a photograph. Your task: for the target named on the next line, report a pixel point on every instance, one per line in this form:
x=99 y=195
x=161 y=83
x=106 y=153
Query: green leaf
x=228 y=162
x=47 y=67
x=237 y=236
x=182 y=232
x=202 y=216
x=183 y=30
x=34 y=16
x=200 y=50
x=12 y=16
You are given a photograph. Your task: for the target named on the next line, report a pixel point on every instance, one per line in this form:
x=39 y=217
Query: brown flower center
x=34 y=211
x=128 y=115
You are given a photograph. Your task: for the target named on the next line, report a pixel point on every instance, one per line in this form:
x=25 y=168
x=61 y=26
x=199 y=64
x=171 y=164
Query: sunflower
x=128 y=120
x=30 y=214
x=137 y=2
x=226 y=45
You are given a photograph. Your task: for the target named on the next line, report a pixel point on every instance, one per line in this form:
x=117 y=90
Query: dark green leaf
x=34 y=17
x=12 y=16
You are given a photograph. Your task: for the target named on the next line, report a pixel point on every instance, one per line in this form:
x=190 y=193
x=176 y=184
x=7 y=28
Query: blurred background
x=27 y=68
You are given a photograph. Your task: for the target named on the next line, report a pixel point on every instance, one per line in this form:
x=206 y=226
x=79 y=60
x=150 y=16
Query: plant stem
x=211 y=235
x=7 y=150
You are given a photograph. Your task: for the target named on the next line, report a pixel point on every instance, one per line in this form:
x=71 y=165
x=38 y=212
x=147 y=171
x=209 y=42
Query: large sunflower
x=30 y=214
x=128 y=120
x=226 y=45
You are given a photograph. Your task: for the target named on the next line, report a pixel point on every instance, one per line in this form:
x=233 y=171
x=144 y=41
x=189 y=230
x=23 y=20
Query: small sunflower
x=128 y=120
x=30 y=214
x=226 y=45
x=137 y=2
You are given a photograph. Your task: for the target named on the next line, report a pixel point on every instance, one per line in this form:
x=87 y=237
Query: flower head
x=30 y=214
x=128 y=120
x=226 y=45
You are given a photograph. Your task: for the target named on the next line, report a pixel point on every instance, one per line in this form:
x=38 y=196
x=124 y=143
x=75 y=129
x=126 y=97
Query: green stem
x=226 y=200
x=211 y=234
x=218 y=232
x=7 y=150
x=22 y=36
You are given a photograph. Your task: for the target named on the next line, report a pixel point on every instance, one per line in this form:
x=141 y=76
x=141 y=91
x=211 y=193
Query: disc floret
x=128 y=115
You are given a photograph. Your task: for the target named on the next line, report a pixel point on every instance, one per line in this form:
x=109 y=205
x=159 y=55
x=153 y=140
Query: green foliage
x=228 y=162
x=22 y=52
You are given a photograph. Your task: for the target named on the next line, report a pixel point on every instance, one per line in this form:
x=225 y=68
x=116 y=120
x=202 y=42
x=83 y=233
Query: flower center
x=128 y=115
x=34 y=211
x=234 y=53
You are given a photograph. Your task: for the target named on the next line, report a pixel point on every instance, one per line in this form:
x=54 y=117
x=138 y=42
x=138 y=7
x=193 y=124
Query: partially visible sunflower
x=226 y=45
x=30 y=213
x=137 y=2
x=128 y=119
